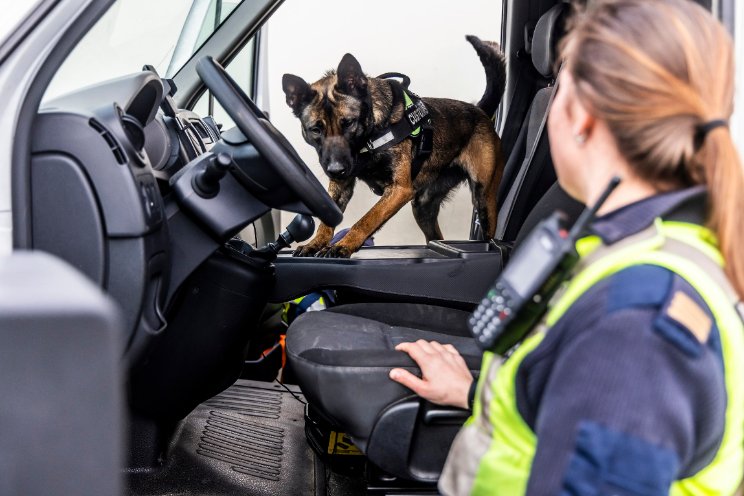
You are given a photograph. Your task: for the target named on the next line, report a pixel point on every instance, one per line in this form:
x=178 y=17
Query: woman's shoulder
x=658 y=301
x=650 y=301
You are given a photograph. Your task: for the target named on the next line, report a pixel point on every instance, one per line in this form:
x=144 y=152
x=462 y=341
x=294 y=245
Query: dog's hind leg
x=485 y=208
x=426 y=205
x=429 y=197
x=481 y=160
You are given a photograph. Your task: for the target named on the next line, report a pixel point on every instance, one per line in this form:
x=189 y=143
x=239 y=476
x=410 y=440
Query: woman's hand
x=446 y=378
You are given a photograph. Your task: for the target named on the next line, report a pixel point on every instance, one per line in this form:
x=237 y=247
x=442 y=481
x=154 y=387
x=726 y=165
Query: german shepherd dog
x=341 y=111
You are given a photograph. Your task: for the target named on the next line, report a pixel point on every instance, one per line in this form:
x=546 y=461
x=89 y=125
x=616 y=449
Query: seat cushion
x=342 y=356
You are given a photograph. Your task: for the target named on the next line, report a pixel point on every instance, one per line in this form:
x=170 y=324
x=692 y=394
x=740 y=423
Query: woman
x=632 y=383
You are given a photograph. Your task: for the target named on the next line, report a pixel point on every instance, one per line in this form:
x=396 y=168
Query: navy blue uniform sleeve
x=630 y=403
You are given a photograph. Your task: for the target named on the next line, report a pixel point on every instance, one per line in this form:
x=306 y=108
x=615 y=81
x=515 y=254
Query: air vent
x=200 y=129
x=110 y=141
x=204 y=131
x=195 y=140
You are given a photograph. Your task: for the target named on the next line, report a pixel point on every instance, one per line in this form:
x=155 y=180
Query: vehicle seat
x=341 y=357
x=528 y=172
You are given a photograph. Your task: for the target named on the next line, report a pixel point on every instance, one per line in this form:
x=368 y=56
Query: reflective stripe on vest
x=687 y=250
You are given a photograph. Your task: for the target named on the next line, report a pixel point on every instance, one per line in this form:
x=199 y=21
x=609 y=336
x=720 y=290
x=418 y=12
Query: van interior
x=223 y=392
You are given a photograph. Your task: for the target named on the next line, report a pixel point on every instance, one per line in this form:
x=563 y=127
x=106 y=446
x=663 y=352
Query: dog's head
x=335 y=113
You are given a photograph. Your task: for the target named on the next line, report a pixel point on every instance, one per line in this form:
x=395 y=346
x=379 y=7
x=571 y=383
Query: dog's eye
x=345 y=123
x=316 y=130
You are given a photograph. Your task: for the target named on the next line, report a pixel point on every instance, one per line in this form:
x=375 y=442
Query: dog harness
x=415 y=124
x=494 y=451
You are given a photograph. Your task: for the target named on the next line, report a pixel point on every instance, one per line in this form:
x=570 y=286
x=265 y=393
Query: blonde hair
x=658 y=71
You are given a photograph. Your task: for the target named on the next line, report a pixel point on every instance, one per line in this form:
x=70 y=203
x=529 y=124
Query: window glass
x=133 y=33
x=241 y=70
x=424 y=39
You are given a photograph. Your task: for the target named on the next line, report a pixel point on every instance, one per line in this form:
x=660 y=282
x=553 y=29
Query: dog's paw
x=335 y=251
x=308 y=250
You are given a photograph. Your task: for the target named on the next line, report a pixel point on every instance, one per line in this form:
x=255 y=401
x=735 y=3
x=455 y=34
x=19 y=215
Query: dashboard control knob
x=207 y=182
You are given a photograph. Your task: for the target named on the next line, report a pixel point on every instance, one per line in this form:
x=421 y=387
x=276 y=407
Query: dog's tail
x=495 y=65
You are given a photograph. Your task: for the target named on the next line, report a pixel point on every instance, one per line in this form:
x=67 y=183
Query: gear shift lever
x=300 y=229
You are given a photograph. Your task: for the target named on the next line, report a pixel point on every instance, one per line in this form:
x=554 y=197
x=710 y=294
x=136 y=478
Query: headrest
x=549 y=30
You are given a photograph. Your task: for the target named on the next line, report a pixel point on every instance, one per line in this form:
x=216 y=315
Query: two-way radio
x=520 y=296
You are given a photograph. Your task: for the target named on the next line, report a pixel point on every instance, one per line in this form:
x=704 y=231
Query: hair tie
x=702 y=130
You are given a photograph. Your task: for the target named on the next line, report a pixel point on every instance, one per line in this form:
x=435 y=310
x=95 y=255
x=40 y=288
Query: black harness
x=415 y=124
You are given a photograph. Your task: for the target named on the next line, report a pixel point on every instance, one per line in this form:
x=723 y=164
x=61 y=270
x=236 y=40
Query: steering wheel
x=269 y=142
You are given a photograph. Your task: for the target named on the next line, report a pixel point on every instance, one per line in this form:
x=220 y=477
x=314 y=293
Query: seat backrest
x=529 y=172
x=554 y=199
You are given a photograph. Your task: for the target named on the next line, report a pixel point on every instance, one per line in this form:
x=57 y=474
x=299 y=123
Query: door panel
x=61 y=397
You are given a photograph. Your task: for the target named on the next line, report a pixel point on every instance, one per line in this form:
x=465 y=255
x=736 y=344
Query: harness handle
x=405 y=80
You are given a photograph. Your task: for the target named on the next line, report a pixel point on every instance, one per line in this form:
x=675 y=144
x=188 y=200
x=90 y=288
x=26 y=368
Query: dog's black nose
x=336 y=168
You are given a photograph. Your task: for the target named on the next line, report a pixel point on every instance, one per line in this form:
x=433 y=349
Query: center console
x=451 y=273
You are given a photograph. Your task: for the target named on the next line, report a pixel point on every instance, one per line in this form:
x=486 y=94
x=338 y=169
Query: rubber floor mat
x=248 y=440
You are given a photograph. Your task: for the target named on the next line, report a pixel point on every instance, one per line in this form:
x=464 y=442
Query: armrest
x=451 y=272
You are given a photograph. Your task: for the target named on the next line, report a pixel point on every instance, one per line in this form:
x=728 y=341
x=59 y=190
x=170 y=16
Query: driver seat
x=341 y=356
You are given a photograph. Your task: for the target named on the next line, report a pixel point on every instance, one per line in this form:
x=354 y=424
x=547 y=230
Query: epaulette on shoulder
x=683 y=319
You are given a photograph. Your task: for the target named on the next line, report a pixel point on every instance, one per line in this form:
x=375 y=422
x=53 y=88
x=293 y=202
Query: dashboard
x=141 y=196
x=95 y=200
x=102 y=161
x=172 y=141
x=119 y=190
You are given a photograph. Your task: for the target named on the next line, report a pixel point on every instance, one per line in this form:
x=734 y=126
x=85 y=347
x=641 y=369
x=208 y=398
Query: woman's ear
x=582 y=121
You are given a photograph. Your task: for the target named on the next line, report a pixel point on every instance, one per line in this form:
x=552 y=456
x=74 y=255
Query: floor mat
x=247 y=440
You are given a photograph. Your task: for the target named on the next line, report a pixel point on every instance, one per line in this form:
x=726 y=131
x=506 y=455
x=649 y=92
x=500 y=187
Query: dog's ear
x=351 y=79
x=298 y=92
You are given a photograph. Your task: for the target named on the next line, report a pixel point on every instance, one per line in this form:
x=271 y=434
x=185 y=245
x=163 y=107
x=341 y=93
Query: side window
x=207 y=16
x=424 y=40
x=241 y=70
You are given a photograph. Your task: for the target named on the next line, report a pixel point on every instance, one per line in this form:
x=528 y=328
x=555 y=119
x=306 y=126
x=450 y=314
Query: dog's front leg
x=340 y=191
x=394 y=197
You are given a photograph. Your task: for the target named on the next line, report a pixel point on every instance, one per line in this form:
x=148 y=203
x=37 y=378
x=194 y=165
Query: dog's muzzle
x=336 y=169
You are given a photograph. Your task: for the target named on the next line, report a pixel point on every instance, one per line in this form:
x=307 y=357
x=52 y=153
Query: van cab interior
x=171 y=364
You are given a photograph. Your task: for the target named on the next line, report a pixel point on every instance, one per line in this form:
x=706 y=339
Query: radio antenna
x=588 y=214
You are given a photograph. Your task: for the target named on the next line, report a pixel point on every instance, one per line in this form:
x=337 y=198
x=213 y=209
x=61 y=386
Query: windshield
x=163 y=33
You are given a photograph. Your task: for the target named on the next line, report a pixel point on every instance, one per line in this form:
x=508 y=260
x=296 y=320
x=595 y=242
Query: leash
x=405 y=80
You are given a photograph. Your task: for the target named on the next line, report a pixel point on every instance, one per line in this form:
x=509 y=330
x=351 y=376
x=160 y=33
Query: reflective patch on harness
x=340 y=444
x=686 y=312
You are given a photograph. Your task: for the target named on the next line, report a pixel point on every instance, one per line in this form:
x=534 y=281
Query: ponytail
x=724 y=177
